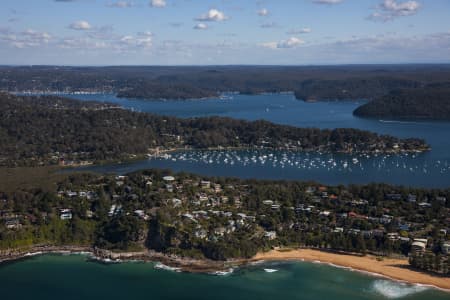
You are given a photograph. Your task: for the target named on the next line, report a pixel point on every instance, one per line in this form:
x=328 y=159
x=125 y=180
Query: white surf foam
x=270 y=270
x=33 y=253
x=394 y=290
x=223 y=273
x=162 y=266
x=398 y=122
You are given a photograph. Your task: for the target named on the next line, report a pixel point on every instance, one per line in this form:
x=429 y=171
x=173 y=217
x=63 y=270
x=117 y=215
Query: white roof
x=425 y=241
x=419 y=244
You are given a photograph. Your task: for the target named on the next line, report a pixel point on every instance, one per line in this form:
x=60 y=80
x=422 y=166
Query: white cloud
x=141 y=40
x=291 y=42
x=80 y=25
x=25 y=39
x=213 y=15
x=82 y=43
x=263 y=12
x=201 y=26
x=97 y=39
x=390 y=9
x=300 y=31
x=386 y=48
x=144 y=39
x=36 y=35
x=401 y=8
x=392 y=48
x=158 y=3
x=328 y=1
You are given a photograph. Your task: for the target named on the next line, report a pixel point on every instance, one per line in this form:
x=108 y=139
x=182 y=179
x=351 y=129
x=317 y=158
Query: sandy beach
x=397 y=269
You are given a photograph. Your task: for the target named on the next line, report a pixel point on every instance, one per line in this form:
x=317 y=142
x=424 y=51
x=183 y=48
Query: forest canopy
x=41 y=130
x=431 y=102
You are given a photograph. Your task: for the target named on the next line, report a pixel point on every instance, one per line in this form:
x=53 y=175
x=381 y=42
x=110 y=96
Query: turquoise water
x=431 y=169
x=72 y=277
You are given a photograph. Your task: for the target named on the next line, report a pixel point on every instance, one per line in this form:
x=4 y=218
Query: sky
x=224 y=32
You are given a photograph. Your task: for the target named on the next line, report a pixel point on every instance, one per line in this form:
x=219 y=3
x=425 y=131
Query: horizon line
x=233 y=65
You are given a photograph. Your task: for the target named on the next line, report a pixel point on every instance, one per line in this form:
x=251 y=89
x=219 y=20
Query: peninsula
x=49 y=130
x=429 y=103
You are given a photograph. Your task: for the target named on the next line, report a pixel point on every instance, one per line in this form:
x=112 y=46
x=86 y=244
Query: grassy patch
x=12 y=179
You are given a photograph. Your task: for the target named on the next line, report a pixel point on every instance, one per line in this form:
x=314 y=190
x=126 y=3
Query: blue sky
x=202 y=32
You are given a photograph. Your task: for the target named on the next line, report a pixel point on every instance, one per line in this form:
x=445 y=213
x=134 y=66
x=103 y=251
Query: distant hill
x=309 y=83
x=350 y=88
x=431 y=102
x=150 y=90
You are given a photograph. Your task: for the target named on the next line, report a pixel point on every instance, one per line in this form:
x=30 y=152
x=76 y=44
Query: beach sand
x=397 y=269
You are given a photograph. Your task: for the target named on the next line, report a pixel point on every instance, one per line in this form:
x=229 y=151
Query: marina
x=427 y=169
x=404 y=169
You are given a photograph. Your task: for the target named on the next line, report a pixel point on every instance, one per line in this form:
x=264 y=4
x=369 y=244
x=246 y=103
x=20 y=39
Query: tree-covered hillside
x=42 y=130
x=431 y=102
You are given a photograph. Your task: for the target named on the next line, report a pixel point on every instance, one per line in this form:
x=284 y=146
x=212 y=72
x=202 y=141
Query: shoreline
x=390 y=268
x=393 y=269
x=183 y=264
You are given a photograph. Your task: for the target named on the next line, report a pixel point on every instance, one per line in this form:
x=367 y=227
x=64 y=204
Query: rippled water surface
x=72 y=277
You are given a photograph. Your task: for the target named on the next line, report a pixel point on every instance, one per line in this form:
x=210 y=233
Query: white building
x=271 y=235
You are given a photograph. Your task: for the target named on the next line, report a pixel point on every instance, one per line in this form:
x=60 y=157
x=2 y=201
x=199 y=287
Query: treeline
x=308 y=83
x=41 y=130
x=209 y=85
x=153 y=90
x=430 y=102
x=430 y=262
x=350 y=88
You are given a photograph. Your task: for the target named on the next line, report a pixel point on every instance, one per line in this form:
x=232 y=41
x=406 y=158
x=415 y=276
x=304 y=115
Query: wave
x=270 y=270
x=33 y=253
x=394 y=290
x=223 y=273
x=162 y=266
x=397 y=122
x=257 y=262
x=105 y=260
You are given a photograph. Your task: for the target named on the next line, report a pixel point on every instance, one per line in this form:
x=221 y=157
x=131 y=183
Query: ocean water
x=72 y=277
x=430 y=169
